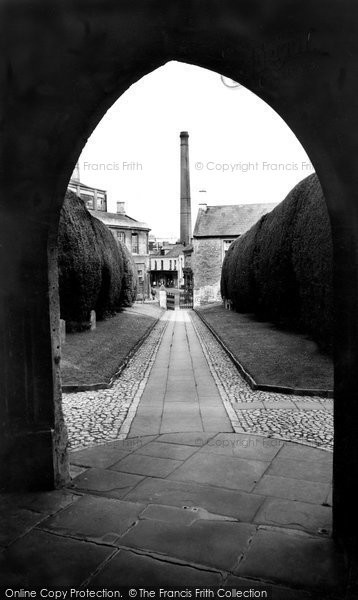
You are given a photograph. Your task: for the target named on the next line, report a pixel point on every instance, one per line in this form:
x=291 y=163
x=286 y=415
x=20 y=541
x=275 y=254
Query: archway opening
x=240 y=49
x=212 y=165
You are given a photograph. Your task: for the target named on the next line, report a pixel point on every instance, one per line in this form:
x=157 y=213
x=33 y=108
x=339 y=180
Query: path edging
x=73 y=388
x=278 y=389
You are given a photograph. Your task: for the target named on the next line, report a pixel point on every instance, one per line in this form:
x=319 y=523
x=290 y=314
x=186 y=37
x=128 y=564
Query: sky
x=241 y=151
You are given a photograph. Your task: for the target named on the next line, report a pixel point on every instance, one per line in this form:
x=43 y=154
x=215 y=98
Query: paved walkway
x=182 y=500
x=180 y=394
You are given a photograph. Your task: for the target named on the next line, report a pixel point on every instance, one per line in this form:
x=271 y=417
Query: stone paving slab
x=221 y=471
x=16 y=522
x=244 y=446
x=299 y=469
x=96 y=519
x=99 y=457
x=198 y=438
x=140 y=570
x=109 y=483
x=149 y=466
x=161 y=450
x=230 y=503
x=191 y=399
x=295 y=515
x=214 y=544
x=278 y=593
x=40 y=559
x=297 y=452
x=293 y=489
x=294 y=560
x=46 y=503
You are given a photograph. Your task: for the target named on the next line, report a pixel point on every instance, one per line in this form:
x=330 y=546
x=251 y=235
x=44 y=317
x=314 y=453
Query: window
x=175 y=265
x=121 y=236
x=101 y=202
x=135 y=246
x=170 y=265
x=162 y=265
x=155 y=266
x=226 y=246
x=140 y=271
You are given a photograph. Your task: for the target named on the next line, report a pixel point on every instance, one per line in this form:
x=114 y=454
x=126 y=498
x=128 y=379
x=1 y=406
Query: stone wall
x=207 y=263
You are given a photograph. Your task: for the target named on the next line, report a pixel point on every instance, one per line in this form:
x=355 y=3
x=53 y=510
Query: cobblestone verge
x=96 y=417
x=303 y=419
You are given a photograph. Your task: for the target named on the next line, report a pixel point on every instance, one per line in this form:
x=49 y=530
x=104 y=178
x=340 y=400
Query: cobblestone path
x=304 y=419
x=96 y=417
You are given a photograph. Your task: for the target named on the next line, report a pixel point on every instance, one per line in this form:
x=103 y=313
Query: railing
x=185 y=299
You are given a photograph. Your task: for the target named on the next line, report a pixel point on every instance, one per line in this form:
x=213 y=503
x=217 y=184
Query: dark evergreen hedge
x=130 y=277
x=112 y=270
x=79 y=261
x=281 y=269
x=93 y=269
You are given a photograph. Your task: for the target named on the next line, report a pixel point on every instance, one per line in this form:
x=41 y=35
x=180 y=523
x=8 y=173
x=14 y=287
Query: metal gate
x=185 y=299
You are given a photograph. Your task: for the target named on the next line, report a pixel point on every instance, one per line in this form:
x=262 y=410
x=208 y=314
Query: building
x=215 y=228
x=156 y=245
x=188 y=268
x=166 y=267
x=94 y=198
x=134 y=235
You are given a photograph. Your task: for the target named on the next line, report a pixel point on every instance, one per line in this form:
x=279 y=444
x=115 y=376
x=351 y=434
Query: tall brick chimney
x=185 y=201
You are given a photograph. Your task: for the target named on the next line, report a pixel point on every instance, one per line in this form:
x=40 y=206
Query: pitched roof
x=174 y=252
x=118 y=220
x=229 y=220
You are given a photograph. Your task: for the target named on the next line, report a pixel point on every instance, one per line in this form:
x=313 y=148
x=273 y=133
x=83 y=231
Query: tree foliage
x=281 y=269
x=93 y=268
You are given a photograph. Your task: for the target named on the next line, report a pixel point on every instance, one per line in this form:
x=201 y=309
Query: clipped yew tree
x=281 y=269
x=79 y=262
x=130 y=277
x=93 y=269
x=109 y=293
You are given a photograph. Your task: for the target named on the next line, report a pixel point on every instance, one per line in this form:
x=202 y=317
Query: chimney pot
x=203 y=206
x=121 y=208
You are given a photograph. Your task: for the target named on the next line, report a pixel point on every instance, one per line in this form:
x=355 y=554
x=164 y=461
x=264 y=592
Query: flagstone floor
x=183 y=497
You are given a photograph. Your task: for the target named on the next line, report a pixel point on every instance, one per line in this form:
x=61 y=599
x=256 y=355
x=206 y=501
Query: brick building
x=134 y=235
x=215 y=228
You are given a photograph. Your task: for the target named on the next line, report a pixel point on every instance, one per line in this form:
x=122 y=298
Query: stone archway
x=62 y=67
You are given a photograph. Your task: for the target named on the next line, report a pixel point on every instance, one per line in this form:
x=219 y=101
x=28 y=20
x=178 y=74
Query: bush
x=281 y=269
x=312 y=257
x=109 y=296
x=130 y=277
x=79 y=261
x=91 y=265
